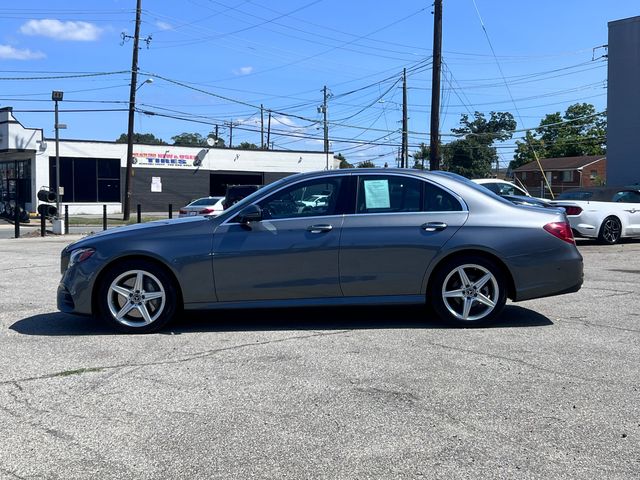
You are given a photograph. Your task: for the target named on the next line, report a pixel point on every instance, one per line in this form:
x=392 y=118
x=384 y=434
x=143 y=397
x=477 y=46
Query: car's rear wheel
x=468 y=291
x=137 y=297
x=610 y=231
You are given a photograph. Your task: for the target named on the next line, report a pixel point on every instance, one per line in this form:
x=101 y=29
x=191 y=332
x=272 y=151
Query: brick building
x=562 y=173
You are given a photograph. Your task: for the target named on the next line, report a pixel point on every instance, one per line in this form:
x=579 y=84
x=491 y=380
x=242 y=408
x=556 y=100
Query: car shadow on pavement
x=325 y=318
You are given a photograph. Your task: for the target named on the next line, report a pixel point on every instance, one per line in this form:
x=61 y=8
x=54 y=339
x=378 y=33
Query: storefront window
x=87 y=179
x=8 y=176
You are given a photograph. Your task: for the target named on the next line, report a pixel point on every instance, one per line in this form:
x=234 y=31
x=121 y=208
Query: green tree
x=580 y=131
x=474 y=154
x=247 y=146
x=418 y=165
x=343 y=161
x=145 y=138
x=366 y=164
x=421 y=157
x=189 y=140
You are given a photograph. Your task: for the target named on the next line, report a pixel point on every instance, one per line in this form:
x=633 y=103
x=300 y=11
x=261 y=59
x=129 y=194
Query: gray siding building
x=623 y=102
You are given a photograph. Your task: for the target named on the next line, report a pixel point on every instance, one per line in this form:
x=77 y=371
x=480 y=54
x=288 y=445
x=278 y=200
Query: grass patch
x=80 y=221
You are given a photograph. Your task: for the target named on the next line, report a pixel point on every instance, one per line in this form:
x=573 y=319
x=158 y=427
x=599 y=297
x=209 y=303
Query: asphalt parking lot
x=551 y=391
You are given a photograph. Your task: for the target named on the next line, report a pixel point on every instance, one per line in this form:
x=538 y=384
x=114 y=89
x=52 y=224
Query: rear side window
x=391 y=194
x=438 y=200
x=575 y=196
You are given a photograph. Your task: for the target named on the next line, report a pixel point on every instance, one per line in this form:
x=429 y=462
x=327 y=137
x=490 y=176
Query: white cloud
x=286 y=121
x=164 y=25
x=243 y=71
x=76 y=31
x=8 y=52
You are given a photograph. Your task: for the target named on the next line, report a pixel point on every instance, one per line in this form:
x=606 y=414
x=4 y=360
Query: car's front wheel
x=137 y=297
x=468 y=291
x=610 y=231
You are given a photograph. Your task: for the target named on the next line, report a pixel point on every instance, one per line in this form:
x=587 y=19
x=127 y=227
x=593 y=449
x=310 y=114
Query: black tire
x=472 y=301
x=610 y=231
x=124 y=297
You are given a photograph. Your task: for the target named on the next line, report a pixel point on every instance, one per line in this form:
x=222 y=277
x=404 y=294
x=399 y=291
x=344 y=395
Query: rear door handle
x=433 y=226
x=319 y=228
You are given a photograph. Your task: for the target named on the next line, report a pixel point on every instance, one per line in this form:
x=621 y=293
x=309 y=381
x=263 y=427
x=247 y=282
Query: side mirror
x=252 y=213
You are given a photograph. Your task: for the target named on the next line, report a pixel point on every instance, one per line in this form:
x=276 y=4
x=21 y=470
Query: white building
x=92 y=173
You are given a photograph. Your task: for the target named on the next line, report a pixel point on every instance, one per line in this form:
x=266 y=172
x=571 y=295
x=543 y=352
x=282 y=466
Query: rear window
x=205 y=201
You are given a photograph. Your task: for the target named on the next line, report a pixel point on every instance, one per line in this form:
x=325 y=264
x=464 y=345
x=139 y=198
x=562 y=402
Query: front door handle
x=433 y=226
x=319 y=228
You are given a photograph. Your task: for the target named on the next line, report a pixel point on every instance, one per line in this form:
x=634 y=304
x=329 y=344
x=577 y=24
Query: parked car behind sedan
x=235 y=193
x=383 y=236
x=202 y=206
x=512 y=192
x=501 y=187
x=605 y=213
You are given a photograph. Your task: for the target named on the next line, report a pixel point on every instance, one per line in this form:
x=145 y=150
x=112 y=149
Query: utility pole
x=269 y=131
x=434 y=154
x=216 y=135
x=405 y=138
x=326 y=126
x=132 y=105
x=261 y=126
x=231 y=134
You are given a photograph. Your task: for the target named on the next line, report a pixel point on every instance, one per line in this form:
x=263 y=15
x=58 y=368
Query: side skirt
x=311 y=302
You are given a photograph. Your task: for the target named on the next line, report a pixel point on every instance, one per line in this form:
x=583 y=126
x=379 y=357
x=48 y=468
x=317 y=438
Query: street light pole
x=57 y=96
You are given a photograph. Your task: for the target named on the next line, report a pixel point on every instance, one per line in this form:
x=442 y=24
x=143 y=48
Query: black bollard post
x=170 y=211
x=16 y=219
x=43 y=225
x=139 y=208
x=104 y=217
x=66 y=219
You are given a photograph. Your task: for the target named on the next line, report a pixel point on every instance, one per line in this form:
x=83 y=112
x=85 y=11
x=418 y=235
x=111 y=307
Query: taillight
x=572 y=210
x=562 y=230
x=205 y=211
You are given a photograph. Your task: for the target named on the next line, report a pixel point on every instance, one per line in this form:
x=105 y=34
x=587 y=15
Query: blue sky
x=215 y=62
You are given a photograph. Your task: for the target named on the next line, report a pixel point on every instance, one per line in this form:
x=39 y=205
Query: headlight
x=80 y=255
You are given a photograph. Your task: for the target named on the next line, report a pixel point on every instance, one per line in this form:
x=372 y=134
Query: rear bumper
x=561 y=273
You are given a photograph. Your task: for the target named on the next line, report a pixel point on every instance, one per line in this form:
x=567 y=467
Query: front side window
x=627 y=197
x=318 y=197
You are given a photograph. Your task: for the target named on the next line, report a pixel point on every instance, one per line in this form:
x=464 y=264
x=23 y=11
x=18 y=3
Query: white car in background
x=511 y=192
x=501 y=187
x=203 y=206
x=315 y=201
x=605 y=213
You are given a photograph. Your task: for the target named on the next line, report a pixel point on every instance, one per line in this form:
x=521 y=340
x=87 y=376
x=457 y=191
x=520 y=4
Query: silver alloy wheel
x=136 y=298
x=470 y=292
x=611 y=229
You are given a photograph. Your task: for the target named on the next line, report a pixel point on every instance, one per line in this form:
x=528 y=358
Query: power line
x=57 y=77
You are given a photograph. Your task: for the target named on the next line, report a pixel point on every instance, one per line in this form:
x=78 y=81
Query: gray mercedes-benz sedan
x=380 y=236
